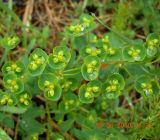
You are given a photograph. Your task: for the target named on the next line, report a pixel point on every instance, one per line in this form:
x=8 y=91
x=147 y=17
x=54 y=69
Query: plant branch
x=16 y=129
x=72 y=70
x=54 y=125
x=4 y=57
x=110 y=29
x=49 y=120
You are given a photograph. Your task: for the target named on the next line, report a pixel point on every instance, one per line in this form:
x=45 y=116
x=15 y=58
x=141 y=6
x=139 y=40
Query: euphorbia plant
x=83 y=69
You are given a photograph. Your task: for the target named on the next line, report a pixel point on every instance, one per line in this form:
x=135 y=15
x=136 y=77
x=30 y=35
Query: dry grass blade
x=28 y=12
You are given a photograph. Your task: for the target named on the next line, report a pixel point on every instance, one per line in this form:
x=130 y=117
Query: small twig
x=16 y=129
x=9 y=131
x=53 y=124
x=140 y=36
x=51 y=15
x=41 y=98
x=28 y=12
x=66 y=135
x=135 y=101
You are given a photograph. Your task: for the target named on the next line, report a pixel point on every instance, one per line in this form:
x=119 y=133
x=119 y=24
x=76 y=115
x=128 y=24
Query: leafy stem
x=72 y=70
x=16 y=129
x=4 y=57
x=122 y=37
x=70 y=74
x=48 y=119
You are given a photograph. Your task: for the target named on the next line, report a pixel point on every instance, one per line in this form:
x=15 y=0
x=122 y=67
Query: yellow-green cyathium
x=13 y=85
x=36 y=62
x=76 y=28
x=49 y=87
x=92 y=51
x=12 y=41
x=68 y=104
x=13 y=67
x=134 y=53
x=24 y=99
x=58 y=57
x=91 y=67
x=105 y=39
x=113 y=86
x=66 y=85
x=91 y=90
x=153 y=43
x=85 y=23
x=109 y=50
x=6 y=100
x=147 y=88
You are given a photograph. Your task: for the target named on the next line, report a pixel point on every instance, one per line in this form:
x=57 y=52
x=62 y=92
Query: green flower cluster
x=109 y=51
x=88 y=92
x=24 y=99
x=134 y=53
x=152 y=44
x=12 y=41
x=14 y=91
x=9 y=42
x=6 y=100
x=13 y=68
x=81 y=69
x=59 y=58
x=49 y=87
x=93 y=51
x=84 y=24
x=114 y=85
x=146 y=86
x=12 y=84
x=90 y=68
x=36 y=62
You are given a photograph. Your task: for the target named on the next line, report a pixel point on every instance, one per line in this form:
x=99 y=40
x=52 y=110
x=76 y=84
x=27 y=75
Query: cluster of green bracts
x=77 y=78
